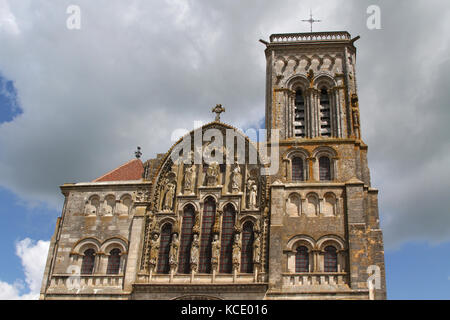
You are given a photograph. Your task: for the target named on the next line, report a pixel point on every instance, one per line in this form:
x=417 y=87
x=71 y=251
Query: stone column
x=311 y=162
x=332 y=112
x=276 y=236
x=308 y=121
x=287 y=169
x=358 y=262
x=134 y=248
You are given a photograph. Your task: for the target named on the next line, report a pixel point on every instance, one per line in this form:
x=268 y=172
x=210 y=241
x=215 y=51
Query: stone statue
x=189 y=179
x=212 y=174
x=90 y=209
x=215 y=251
x=194 y=252
x=154 y=250
x=252 y=201
x=196 y=227
x=236 y=179
x=173 y=253
x=236 y=256
x=257 y=248
x=142 y=195
x=168 y=200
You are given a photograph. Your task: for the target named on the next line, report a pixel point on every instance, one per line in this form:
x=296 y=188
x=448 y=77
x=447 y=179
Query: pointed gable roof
x=132 y=170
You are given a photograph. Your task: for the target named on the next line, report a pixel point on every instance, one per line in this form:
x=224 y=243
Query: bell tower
x=310 y=82
x=325 y=236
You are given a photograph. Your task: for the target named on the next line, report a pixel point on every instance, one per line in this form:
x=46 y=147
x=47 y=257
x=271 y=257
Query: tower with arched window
x=221 y=227
x=323 y=207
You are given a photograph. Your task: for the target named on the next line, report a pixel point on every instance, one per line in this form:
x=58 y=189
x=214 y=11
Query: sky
x=75 y=103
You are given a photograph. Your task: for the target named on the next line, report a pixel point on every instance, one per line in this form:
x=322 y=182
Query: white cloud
x=33 y=255
x=137 y=70
x=7 y=19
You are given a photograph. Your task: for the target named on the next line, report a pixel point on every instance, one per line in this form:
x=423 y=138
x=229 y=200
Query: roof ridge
x=115 y=169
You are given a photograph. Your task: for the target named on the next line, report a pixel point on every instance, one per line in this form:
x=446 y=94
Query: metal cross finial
x=218 y=109
x=138 y=153
x=311 y=20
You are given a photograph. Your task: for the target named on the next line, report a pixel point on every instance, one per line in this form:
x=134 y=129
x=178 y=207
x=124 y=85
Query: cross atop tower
x=138 y=153
x=218 y=109
x=311 y=20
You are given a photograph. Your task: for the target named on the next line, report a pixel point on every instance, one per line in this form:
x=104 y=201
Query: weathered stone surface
x=318 y=223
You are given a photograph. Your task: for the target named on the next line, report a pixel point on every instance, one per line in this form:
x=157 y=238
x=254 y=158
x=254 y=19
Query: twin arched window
x=324 y=113
x=298 y=170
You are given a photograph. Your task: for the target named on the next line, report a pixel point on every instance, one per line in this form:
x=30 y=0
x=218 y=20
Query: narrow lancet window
x=299 y=120
x=164 y=247
x=325 y=118
x=247 y=248
x=186 y=239
x=226 y=247
x=209 y=213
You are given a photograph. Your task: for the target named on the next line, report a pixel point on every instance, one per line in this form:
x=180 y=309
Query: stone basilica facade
x=188 y=228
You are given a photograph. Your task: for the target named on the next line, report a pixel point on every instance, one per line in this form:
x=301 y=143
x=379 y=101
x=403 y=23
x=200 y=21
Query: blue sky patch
x=9 y=102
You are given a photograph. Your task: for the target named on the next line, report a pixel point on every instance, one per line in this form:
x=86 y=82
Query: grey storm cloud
x=138 y=70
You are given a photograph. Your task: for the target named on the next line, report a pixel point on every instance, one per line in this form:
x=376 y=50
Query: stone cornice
x=199 y=288
x=102 y=185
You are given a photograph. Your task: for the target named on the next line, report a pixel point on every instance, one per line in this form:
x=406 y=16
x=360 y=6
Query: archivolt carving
x=241 y=184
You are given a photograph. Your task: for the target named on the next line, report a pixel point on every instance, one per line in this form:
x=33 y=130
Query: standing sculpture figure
x=173 y=254
x=194 y=252
x=212 y=174
x=215 y=251
x=257 y=249
x=154 y=250
x=189 y=179
x=236 y=256
x=236 y=180
x=253 y=196
x=168 y=201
